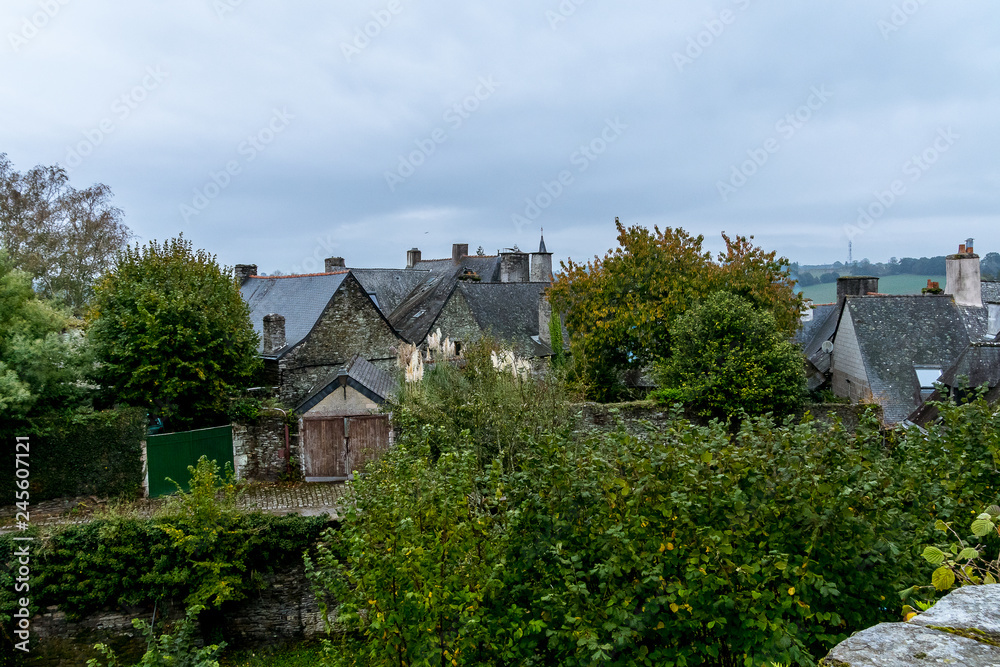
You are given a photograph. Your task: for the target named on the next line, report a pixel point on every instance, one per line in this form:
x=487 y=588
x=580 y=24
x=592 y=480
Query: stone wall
x=259 y=448
x=350 y=325
x=963 y=628
x=285 y=610
x=610 y=415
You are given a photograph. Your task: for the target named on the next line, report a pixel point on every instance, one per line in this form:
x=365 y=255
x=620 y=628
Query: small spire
x=541 y=244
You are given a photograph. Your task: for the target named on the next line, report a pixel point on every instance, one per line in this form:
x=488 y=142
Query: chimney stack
x=458 y=251
x=544 y=317
x=856 y=286
x=514 y=266
x=244 y=271
x=412 y=258
x=963 y=278
x=333 y=264
x=274 y=333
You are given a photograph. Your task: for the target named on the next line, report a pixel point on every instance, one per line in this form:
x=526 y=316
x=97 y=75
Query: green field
x=901 y=284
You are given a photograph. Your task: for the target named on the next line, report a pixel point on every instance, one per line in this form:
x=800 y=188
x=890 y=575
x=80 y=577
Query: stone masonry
x=350 y=325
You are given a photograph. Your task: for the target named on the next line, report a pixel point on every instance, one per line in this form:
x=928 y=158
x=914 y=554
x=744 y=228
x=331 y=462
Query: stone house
x=313 y=325
x=891 y=350
x=329 y=340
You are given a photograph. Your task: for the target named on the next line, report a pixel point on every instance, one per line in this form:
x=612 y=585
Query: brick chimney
x=458 y=251
x=274 y=333
x=244 y=271
x=333 y=264
x=963 y=278
x=412 y=257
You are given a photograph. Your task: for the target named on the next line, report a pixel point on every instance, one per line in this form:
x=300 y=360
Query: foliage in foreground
x=177 y=648
x=687 y=546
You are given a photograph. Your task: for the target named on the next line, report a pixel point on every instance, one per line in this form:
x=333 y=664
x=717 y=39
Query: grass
x=901 y=284
x=299 y=655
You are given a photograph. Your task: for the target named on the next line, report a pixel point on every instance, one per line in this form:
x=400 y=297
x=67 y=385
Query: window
x=927 y=376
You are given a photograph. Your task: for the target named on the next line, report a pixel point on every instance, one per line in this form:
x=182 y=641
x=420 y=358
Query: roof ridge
x=303 y=275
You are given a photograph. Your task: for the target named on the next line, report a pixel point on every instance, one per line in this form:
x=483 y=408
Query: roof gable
x=359 y=374
x=897 y=334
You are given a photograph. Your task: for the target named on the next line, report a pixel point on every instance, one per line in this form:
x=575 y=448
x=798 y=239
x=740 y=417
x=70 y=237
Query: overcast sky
x=281 y=133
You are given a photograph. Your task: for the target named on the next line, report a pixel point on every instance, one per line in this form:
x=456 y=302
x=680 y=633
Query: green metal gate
x=169 y=455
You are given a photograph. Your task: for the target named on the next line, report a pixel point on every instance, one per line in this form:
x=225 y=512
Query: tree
x=619 y=308
x=42 y=356
x=730 y=357
x=172 y=333
x=63 y=237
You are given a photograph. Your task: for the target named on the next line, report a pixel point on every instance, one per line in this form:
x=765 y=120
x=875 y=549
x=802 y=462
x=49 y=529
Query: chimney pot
x=274 y=333
x=961 y=248
x=334 y=263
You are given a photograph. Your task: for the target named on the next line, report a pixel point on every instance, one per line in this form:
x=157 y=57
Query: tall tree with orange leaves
x=619 y=308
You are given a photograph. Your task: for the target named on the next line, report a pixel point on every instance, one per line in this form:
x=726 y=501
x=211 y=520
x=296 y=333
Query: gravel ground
x=307 y=499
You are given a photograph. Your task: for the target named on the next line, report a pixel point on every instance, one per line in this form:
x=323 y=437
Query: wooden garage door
x=324 y=448
x=367 y=439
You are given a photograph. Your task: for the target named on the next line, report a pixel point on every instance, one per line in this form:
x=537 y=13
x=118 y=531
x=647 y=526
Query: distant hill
x=898 y=284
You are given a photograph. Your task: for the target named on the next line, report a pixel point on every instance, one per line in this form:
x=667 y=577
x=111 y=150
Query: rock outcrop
x=963 y=628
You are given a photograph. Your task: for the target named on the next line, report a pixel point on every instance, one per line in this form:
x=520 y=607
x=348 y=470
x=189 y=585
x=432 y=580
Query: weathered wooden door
x=324 y=449
x=367 y=439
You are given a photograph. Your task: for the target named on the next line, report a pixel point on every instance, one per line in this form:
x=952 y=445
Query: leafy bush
x=729 y=357
x=180 y=649
x=687 y=545
x=97 y=453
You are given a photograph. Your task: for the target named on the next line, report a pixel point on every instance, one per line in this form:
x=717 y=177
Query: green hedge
x=682 y=545
x=97 y=453
x=108 y=564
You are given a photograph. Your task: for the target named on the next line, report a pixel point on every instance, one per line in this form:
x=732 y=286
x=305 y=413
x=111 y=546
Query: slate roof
x=897 y=334
x=300 y=299
x=361 y=374
x=991 y=291
x=508 y=311
x=390 y=286
x=807 y=330
x=978 y=364
x=415 y=316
